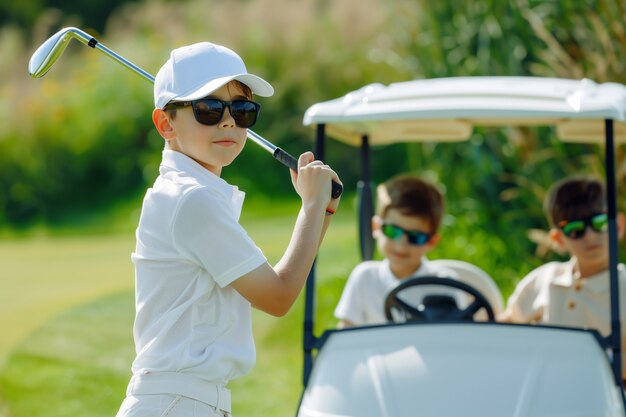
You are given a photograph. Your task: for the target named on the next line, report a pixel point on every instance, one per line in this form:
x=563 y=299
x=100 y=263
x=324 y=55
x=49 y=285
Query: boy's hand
x=312 y=182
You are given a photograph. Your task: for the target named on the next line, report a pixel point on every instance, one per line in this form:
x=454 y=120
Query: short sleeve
x=523 y=305
x=206 y=231
x=350 y=305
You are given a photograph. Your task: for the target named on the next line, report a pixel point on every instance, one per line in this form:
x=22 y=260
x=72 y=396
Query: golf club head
x=47 y=54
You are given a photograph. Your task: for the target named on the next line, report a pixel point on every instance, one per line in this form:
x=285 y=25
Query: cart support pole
x=611 y=201
x=365 y=203
x=309 y=340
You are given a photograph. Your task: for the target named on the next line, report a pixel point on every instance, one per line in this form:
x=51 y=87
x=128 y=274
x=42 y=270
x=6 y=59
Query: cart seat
x=476 y=277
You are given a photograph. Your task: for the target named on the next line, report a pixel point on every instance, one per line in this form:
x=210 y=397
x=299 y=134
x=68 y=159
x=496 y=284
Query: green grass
x=68 y=310
x=42 y=276
x=76 y=364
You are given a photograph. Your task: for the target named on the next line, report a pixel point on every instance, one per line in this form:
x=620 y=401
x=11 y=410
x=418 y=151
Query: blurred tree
x=91 y=14
x=582 y=39
x=311 y=50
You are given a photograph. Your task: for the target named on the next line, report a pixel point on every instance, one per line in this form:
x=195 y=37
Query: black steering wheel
x=444 y=307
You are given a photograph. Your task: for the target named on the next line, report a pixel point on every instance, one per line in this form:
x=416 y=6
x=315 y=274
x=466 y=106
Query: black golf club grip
x=289 y=161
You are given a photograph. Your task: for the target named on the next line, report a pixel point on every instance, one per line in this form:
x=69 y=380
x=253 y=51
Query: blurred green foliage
x=90 y=14
x=81 y=138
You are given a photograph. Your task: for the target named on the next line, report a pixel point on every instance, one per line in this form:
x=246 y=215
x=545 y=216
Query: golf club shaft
x=93 y=42
x=287 y=159
x=56 y=50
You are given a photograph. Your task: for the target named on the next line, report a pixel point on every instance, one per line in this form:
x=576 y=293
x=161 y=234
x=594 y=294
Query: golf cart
x=464 y=367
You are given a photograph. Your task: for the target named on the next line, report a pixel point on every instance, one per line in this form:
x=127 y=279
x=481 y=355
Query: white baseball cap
x=195 y=71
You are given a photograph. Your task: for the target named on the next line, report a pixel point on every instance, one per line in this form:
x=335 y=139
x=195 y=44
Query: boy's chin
x=228 y=159
x=594 y=257
x=404 y=263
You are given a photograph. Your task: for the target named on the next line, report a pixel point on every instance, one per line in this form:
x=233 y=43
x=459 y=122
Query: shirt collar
x=601 y=282
x=422 y=270
x=565 y=277
x=597 y=283
x=173 y=161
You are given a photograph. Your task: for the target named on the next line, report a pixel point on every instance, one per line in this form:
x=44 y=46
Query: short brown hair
x=412 y=196
x=573 y=198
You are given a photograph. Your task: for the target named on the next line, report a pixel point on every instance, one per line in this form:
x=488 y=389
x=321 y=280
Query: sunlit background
x=77 y=151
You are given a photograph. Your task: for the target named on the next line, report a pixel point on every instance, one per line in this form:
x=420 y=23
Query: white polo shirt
x=363 y=299
x=190 y=247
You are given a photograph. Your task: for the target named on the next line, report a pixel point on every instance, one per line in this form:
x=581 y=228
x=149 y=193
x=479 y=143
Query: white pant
x=166 y=405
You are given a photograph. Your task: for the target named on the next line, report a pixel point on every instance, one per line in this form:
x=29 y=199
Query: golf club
x=47 y=54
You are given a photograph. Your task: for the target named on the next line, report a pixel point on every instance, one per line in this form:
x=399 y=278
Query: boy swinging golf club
x=197 y=271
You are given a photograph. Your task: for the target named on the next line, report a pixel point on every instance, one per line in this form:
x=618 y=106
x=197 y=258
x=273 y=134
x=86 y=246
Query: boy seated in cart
x=409 y=211
x=574 y=293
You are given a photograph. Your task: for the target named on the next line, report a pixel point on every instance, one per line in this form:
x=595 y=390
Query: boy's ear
x=621 y=225
x=434 y=240
x=376 y=224
x=163 y=124
x=556 y=239
x=555 y=236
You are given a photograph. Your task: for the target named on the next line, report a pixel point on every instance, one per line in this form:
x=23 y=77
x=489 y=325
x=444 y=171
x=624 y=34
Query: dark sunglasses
x=209 y=111
x=575 y=229
x=415 y=237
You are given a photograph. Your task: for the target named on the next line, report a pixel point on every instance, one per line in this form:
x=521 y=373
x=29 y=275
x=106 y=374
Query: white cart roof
x=447 y=109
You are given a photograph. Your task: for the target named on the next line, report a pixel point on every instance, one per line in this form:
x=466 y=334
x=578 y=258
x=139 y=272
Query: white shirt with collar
x=190 y=247
x=363 y=299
